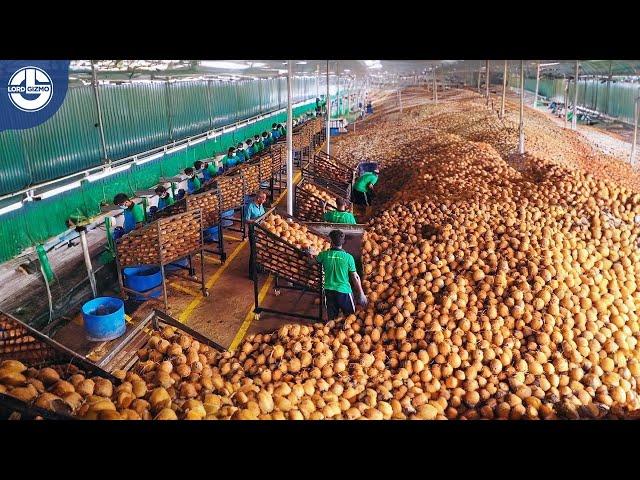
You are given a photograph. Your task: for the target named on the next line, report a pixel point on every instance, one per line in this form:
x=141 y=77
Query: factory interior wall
x=37 y=222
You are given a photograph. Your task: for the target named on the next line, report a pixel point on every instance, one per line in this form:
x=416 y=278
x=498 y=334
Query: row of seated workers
x=200 y=172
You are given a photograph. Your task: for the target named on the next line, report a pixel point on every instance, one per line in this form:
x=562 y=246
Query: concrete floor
x=226 y=315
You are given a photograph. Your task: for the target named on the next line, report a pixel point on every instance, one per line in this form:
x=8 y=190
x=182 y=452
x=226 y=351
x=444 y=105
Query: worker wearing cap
x=257 y=143
x=363 y=188
x=122 y=201
x=340 y=215
x=193 y=182
x=164 y=197
x=254 y=210
x=202 y=172
x=340 y=278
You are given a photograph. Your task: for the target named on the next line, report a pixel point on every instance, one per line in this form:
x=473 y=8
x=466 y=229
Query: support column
x=535 y=98
x=504 y=88
x=488 y=80
x=87 y=260
x=328 y=103
x=636 y=114
x=574 y=120
x=289 y=142
x=606 y=105
x=96 y=96
x=521 y=141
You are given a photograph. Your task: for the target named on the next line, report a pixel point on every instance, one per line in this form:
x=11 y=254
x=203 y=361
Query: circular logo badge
x=30 y=89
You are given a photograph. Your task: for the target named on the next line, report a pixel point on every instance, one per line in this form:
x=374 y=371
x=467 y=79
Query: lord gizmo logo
x=30 y=89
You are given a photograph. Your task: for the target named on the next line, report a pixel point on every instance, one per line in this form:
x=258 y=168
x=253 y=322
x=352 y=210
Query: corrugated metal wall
x=136 y=117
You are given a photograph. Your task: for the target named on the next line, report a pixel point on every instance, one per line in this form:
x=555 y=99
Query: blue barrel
x=103 y=319
x=172 y=267
x=227 y=214
x=143 y=279
x=211 y=234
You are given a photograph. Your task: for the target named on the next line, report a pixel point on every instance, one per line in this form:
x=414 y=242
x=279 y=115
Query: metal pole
x=318 y=81
x=479 y=73
x=635 y=129
x=289 y=143
x=535 y=98
x=87 y=259
x=97 y=98
x=435 y=86
x=488 y=79
x=328 y=102
x=338 y=99
x=574 y=120
x=504 y=88
x=566 y=98
x=606 y=105
x=521 y=142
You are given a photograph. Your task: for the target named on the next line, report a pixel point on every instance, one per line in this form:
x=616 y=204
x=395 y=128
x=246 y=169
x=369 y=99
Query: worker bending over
x=340 y=278
x=340 y=215
x=131 y=213
x=250 y=150
x=230 y=160
x=241 y=153
x=266 y=139
x=275 y=132
x=164 y=197
x=193 y=182
x=253 y=211
x=202 y=170
x=257 y=143
x=363 y=189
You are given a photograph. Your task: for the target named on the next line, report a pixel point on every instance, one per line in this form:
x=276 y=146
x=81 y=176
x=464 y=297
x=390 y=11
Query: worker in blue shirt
x=275 y=132
x=122 y=201
x=193 y=182
x=254 y=210
x=164 y=197
x=266 y=139
x=249 y=151
x=202 y=172
x=229 y=160
x=241 y=153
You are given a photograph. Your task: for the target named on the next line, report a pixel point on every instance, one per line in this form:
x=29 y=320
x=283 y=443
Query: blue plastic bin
x=104 y=319
x=142 y=279
x=172 y=267
x=211 y=234
x=366 y=167
x=225 y=215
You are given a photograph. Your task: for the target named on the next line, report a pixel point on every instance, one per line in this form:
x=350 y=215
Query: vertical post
x=318 y=81
x=328 y=104
x=566 y=102
x=96 y=95
x=521 y=141
x=87 y=260
x=535 y=97
x=209 y=104
x=487 y=80
x=237 y=102
x=260 y=93
x=338 y=99
x=606 y=105
x=636 y=113
x=504 y=88
x=168 y=106
x=479 y=74
x=574 y=120
x=289 y=142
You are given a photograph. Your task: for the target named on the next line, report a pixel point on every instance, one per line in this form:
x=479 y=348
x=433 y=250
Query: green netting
x=37 y=222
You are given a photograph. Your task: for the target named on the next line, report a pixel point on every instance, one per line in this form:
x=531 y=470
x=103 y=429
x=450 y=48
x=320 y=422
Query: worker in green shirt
x=340 y=215
x=257 y=143
x=340 y=278
x=363 y=189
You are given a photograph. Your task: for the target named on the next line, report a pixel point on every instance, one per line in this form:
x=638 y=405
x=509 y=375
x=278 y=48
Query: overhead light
x=224 y=64
x=107 y=172
x=59 y=190
x=280 y=70
x=10 y=208
x=301 y=63
x=258 y=64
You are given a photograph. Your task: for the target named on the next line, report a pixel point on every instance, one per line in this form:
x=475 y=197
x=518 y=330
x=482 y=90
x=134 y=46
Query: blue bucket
x=266 y=184
x=172 y=267
x=142 y=279
x=227 y=214
x=211 y=234
x=103 y=319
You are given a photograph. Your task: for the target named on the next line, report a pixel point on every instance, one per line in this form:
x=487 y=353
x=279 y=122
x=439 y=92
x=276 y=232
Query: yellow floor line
x=263 y=292
x=184 y=316
x=226 y=235
x=215 y=261
x=180 y=288
x=250 y=315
